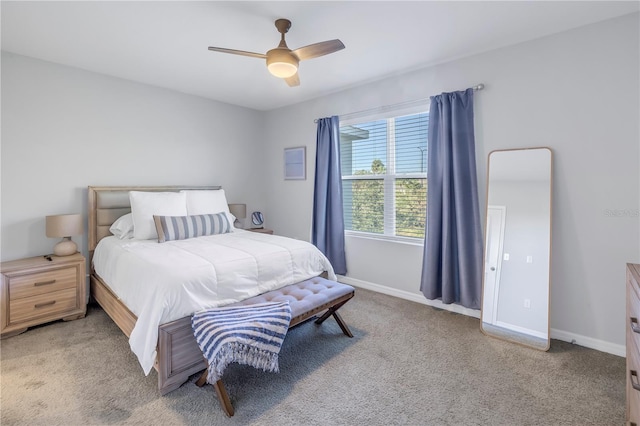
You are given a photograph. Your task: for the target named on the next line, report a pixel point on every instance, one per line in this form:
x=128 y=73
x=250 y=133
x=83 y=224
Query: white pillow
x=145 y=204
x=123 y=227
x=207 y=202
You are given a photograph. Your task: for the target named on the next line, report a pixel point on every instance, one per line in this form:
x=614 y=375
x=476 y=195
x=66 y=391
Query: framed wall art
x=295 y=160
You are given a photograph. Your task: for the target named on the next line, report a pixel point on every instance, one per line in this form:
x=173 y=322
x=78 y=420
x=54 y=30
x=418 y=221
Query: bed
x=176 y=355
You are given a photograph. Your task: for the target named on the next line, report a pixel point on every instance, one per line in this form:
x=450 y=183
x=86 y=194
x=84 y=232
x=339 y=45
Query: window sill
x=396 y=240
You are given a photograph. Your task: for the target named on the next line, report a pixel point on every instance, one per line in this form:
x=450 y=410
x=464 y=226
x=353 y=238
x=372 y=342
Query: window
x=384 y=175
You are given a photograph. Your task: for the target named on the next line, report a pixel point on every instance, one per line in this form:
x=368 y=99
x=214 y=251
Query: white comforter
x=162 y=282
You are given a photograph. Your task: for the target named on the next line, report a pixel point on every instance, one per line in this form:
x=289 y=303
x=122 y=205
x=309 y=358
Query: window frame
x=390 y=176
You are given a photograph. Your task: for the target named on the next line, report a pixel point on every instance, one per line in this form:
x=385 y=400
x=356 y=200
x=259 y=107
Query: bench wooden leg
x=203 y=379
x=223 y=398
x=221 y=392
x=333 y=311
x=342 y=324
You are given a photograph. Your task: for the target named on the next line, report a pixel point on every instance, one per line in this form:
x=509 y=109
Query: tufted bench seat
x=309 y=297
x=306 y=299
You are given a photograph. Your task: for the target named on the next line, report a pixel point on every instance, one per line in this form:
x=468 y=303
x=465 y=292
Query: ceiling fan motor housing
x=281 y=62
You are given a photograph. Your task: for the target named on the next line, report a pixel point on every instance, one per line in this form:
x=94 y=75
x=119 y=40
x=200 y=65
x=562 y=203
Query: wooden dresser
x=633 y=344
x=41 y=289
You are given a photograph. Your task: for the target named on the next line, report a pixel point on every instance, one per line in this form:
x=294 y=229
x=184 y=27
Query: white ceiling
x=165 y=43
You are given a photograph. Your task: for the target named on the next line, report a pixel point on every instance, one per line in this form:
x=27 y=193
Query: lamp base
x=66 y=247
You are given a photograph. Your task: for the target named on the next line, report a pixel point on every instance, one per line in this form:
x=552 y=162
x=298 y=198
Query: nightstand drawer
x=41 y=283
x=28 y=308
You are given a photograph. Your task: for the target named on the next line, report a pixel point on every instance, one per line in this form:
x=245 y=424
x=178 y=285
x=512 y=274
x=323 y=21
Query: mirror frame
x=522 y=342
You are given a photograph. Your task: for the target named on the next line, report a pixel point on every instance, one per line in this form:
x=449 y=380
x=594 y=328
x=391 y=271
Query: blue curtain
x=453 y=249
x=328 y=218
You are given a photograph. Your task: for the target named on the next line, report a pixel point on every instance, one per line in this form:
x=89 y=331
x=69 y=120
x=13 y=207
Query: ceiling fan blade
x=293 y=81
x=238 y=52
x=318 y=49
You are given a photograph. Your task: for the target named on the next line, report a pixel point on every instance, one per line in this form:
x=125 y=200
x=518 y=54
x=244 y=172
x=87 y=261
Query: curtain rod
x=394 y=106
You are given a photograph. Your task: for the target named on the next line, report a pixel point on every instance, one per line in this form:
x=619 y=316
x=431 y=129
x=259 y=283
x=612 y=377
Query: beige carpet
x=408 y=364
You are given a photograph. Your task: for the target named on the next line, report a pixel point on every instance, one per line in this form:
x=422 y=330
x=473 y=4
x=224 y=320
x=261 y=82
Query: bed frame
x=179 y=356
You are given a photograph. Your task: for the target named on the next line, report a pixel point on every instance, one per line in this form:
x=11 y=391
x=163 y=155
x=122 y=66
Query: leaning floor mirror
x=515 y=295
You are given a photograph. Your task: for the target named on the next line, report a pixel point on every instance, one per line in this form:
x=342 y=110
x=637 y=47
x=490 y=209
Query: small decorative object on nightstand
x=41 y=289
x=64 y=226
x=257 y=218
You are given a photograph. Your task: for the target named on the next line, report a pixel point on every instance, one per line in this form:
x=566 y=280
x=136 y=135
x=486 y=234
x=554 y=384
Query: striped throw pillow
x=171 y=228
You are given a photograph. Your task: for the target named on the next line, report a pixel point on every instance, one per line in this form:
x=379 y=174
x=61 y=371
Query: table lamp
x=239 y=211
x=64 y=226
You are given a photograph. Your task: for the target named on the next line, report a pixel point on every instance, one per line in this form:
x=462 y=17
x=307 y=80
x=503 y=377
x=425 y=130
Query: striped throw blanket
x=251 y=335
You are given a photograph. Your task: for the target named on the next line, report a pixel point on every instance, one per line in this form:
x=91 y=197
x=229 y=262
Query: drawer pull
x=44 y=283
x=634 y=325
x=634 y=380
x=42 y=305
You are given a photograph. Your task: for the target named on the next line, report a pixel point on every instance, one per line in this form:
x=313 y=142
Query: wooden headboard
x=108 y=203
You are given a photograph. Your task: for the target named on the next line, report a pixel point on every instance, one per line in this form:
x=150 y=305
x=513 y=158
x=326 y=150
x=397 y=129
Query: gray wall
x=575 y=92
x=64 y=129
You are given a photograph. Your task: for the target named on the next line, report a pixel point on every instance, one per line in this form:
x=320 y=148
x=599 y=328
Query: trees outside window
x=384 y=175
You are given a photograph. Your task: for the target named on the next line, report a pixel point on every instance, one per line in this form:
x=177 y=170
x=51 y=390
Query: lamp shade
x=64 y=225
x=238 y=210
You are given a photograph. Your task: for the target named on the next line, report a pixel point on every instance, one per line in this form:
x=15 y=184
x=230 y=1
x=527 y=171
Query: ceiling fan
x=282 y=61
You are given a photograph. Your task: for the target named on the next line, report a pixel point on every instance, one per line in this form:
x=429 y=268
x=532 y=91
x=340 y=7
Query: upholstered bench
x=306 y=299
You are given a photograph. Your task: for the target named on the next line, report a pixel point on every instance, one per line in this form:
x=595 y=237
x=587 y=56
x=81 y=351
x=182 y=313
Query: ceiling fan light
x=281 y=63
x=282 y=69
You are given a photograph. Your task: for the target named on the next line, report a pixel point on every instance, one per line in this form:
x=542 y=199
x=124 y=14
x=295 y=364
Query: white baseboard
x=565 y=336
x=589 y=342
x=402 y=294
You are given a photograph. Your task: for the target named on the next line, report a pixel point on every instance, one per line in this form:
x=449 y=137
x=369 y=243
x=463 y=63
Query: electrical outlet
x=529 y=259
x=527 y=303
x=506 y=256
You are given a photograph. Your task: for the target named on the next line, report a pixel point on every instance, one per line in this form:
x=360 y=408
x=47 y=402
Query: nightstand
x=261 y=230
x=37 y=290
